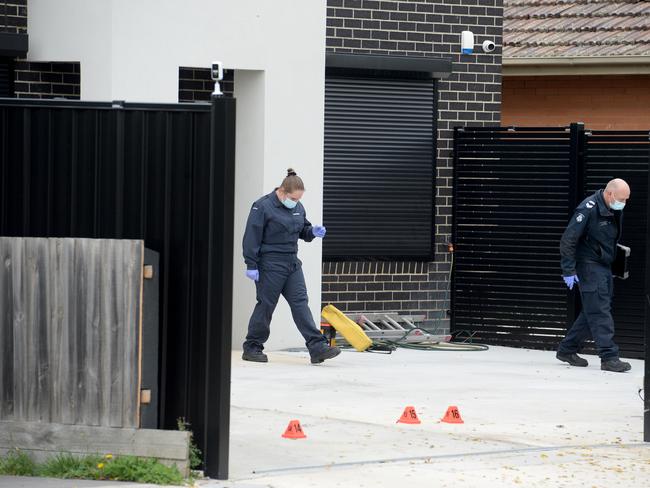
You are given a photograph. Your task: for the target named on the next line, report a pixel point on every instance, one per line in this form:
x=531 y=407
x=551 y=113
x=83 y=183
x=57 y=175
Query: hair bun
x=291 y=172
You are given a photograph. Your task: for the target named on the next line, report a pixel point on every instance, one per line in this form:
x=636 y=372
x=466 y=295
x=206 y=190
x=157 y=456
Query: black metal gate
x=514 y=190
x=626 y=155
x=162 y=173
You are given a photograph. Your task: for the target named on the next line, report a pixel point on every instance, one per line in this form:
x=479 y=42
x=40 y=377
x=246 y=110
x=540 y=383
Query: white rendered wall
x=131 y=50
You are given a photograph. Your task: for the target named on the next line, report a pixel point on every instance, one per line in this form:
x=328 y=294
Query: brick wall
x=196 y=84
x=47 y=80
x=13 y=20
x=470 y=96
x=37 y=79
x=613 y=102
x=383 y=286
x=13 y=16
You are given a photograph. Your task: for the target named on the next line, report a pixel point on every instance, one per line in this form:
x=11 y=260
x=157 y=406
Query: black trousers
x=282 y=275
x=595 y=320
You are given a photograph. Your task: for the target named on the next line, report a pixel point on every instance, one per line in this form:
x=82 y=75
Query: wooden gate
x=70 y=330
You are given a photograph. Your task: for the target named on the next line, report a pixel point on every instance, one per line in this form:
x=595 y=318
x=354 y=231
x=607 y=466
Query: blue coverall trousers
x=282 y=274
x=595 y=320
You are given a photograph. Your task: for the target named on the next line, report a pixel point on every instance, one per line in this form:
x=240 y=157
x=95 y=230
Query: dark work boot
x=329 y=353
x=615 y=365
x=572 y=359
x=255 y=356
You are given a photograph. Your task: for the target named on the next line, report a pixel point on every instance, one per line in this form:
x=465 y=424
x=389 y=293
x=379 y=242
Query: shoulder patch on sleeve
x=586 y=206
x=580 y=218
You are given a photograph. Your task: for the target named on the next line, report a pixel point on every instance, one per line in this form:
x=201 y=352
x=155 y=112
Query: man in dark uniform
x=588 y=249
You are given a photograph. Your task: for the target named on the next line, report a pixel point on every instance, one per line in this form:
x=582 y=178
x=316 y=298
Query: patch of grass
x=17 y=463
x=195 y=452
x=129 y=468
x=93 y=467
x=68 y=466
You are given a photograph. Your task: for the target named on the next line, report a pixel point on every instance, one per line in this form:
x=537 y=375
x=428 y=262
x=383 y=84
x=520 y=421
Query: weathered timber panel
x=42 y=441
x=69 y=330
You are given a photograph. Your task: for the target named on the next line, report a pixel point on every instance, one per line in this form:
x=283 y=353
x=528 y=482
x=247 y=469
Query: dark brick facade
x=383 y=286
x=470 y=96
x=196 y=84
x=37 y=79
x=13 y=16
x=47 y=80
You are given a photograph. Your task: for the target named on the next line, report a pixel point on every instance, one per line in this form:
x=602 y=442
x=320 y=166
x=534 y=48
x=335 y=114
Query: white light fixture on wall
x=467 y=42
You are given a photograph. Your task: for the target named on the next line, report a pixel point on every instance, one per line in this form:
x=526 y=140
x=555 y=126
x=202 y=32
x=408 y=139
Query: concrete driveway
x=529 y=421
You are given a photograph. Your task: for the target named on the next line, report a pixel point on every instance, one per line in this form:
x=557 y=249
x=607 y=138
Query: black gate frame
x=112 y=187
x=646 y=380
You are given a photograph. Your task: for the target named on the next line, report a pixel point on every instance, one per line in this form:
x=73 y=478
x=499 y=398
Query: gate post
x=576 y=193
x=215 y=413
x=454 y=229
x=646 y=381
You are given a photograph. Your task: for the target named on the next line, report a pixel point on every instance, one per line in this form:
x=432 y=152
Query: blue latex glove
x=253 y=274
x=319 y=231
x=571 y=280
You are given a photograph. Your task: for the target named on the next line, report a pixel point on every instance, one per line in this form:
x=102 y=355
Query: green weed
x=195 y=452
x=17 y=463
x=92 y=467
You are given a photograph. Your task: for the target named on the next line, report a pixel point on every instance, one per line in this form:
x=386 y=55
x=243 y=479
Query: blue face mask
x=616 y=205
x=290 y=204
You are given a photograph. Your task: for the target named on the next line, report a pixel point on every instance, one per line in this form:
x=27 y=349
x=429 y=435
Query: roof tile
x=566 y=28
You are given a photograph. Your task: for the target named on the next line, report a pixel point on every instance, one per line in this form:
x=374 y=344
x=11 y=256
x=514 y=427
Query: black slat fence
x=514 y=190
x=625 y=155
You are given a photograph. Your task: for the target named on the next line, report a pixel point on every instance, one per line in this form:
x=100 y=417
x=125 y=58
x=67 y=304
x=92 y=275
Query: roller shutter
x=379 y=167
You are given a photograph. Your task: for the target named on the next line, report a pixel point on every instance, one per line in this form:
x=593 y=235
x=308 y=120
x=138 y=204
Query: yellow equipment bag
x=348 y=329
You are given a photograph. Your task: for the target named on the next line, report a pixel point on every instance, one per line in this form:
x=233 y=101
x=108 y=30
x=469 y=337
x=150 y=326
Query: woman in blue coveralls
x=275 y=223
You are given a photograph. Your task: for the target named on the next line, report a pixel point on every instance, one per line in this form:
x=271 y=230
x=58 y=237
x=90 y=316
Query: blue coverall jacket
x=592 y=234
x=273 y=228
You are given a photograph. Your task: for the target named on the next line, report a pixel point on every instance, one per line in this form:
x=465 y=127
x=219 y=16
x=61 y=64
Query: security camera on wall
x=489 y=46
x=217 y=71
x=217 y=76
